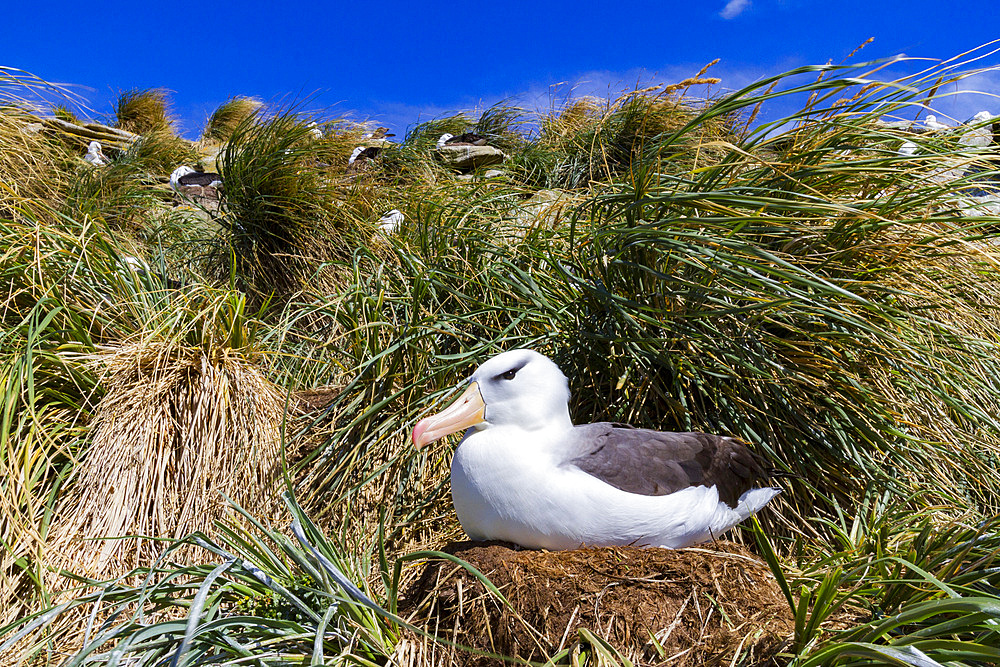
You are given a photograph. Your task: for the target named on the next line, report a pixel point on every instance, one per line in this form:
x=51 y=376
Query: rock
x=205 y=196
x=490 y=173
x=110 y=137
x=125 y=135
x=467 y=158
x=982 y=136
x=543 y=209
x=209 y=157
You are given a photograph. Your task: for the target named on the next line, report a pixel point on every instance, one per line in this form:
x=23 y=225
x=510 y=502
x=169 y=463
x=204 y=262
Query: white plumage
x=443 y=139
x=185 y=175
x=390 y=222
x=175 y=176
x=354 y=154
x=932 y=123
x=95 y=154
x=519 y=473
x=137 y=265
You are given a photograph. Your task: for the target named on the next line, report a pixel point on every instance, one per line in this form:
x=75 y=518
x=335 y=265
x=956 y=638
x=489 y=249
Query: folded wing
x=655 y=463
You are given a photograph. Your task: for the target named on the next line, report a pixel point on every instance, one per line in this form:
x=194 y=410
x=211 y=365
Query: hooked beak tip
x=466 y=411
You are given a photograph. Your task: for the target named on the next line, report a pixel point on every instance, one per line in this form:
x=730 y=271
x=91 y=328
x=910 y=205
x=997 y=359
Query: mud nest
x=699 y=606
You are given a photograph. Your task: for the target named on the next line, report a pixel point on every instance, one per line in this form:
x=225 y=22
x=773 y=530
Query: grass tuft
x=143 y=111
x=229 y=116
x=174 y=425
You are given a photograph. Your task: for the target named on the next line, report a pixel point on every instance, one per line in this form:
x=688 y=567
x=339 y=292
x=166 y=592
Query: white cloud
x=961 y=100
x=538 y=98
x=734 y=8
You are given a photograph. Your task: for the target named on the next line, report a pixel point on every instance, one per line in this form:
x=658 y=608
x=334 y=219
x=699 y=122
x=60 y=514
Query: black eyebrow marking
x=514 y=369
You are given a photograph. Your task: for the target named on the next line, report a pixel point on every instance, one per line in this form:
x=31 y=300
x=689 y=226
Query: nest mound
x=692 y=606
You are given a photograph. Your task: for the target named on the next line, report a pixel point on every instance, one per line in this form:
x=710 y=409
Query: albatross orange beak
x=466 y=411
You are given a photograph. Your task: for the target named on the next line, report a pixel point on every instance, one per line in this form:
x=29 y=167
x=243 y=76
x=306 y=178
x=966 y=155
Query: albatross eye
x=508 y=375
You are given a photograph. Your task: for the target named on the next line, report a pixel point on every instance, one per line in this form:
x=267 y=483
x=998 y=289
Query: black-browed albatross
x=464 y=139
x=95 y=154
x=524 y=473
x=185 y=175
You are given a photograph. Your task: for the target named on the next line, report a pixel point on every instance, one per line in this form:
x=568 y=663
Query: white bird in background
x=390 y=222
x=362 y=155
x=464 y=139
x=136 y=264
x=524 y=473
x=95 y=155
x=185 y=175
x=908 y=148
x=932 y=123
x=315 y=131
x=378 y=134
x=176 y=175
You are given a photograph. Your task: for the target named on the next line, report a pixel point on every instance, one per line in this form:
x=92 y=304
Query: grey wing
x=655 y=463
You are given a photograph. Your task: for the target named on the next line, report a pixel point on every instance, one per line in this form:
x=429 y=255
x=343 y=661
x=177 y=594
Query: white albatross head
x=354 y=155
x=516 y=388
x=95 y=154
x=390 y=222
x=443 y=139
x=177 y=173
x=932 y=123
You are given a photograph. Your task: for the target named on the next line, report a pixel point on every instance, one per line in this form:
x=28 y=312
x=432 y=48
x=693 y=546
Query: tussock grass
x=594 y=141
x=175 y=430
x=159 y=152
x=32 y=168
x=296 y=589
x=799 y=284
x=114 y=193
x=63 y=112
x=143 y=111
x=278 y=209
x=230 y=115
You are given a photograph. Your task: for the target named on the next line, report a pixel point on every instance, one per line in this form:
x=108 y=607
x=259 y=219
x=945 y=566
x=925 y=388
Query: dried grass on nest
x=703 y=605
x=175 y=430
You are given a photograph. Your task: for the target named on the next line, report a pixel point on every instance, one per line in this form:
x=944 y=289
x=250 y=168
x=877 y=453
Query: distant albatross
x=364 y=153
x=932 y=123
x=464 y=139
x=524 y=473
x=188 y=176
x=95 y=154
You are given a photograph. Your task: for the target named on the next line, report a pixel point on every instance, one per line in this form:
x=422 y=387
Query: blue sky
x=398 y=63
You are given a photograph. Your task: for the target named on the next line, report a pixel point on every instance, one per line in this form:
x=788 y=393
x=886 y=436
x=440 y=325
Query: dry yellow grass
x=30 y=166
x=175 y=430
x=143 y=111
x=228 y=116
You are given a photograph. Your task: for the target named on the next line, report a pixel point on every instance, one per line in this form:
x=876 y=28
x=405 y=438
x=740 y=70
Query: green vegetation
x=229 y=116
x=143 y=111
x=798 y=283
